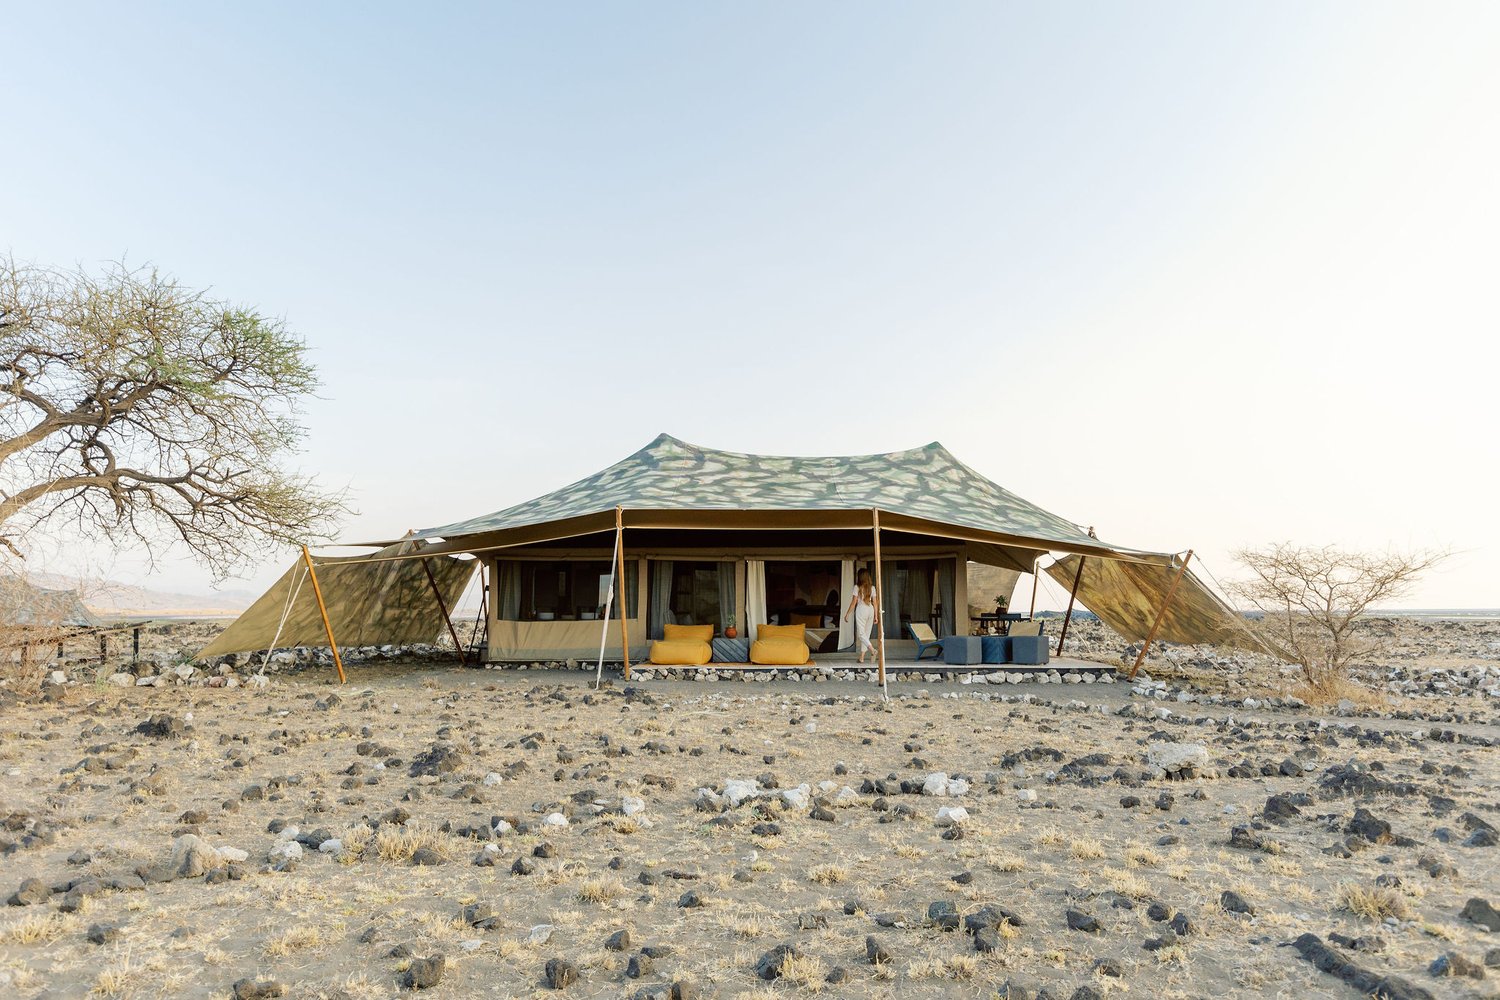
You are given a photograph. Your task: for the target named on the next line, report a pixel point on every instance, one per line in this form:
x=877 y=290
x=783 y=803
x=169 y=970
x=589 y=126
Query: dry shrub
x=1086 y=850
x=38 y=928
x=827 y=874
x=805 y=972
x=1372 y=903
x=600 y=890
x=399 y=843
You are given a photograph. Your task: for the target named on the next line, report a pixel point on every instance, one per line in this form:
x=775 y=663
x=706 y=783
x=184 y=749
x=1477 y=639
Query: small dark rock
x=1233 y=902
x=772 y=965
x=424 y=973
x=561 y=973
x=618 y=941
x=1080 y=921
x=876 y=951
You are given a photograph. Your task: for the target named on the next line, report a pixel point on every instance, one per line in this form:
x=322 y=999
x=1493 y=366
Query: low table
x=731 y=650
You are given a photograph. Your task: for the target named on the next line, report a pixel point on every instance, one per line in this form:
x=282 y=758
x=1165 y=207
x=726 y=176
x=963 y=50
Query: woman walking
x=863 y=605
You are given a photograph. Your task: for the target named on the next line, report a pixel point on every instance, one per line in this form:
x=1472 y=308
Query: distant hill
x=111 y=599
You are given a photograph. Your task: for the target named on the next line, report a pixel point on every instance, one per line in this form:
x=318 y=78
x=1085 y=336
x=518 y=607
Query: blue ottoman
x=996 y=648
x=962 y=650
x=1029 y=649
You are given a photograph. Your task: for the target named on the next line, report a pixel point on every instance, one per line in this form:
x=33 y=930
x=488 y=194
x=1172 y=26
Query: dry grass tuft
x=399 y=843
x=600 y=890
x=38 y=928
x=1084 y=849
x=827 y=874
x=805 y=972
x=303 y=937
x=1372 y=903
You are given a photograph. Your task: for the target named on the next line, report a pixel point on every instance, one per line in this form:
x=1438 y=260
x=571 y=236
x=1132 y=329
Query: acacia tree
x=139 y=412
x=1310 y=599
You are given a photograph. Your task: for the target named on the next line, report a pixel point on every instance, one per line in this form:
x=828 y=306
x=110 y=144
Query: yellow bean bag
x=683 y=646
x=780 y=646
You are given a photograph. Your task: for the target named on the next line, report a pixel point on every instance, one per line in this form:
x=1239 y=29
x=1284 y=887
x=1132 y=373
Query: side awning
x=371 y=601
x=1127 y=596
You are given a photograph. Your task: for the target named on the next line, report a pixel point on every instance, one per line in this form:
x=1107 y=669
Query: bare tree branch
x=142 y=412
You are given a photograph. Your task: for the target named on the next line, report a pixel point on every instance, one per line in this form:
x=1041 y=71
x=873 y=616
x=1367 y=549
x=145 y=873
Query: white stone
x=1026 y=795
x=288 y=833
x=185 y=671
x=473 y=944
x=737 y=790
x=936 y=784
x=827 y=786
x=799 y=797
x=285 y=850
x=256 y=681
x=957 y=787
x=949 y=815
x=846 y=797
x=191 y=856
x=58 y=677
x=492 y=779
x=540 y=934
x=1172 y=757
x=811 y=727
x=555 y=819
x=630 y=805
x=142 y=682
x=233 y=854
x=122 y=679
x=333 y=845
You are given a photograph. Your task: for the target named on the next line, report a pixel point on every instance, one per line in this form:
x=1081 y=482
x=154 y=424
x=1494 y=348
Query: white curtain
x=846 y=591
x=755 y=596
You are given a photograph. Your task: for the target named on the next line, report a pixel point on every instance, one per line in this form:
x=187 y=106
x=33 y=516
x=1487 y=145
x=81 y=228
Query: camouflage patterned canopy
x=927 y=485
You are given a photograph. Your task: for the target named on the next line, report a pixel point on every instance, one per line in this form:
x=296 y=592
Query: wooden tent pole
x=624 y=591
x=879 y=597
x=463 y=661
x=1034 y=581
x=1073 y=594
x=1162 y=614
x=323 y=610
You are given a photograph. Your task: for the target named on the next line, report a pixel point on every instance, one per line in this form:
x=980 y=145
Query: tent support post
x=1160 y=615
x=1072 y=595
x=463 y=661
x=624 y=590
x=323 y=610
x=879 y=596
x=1034 y=584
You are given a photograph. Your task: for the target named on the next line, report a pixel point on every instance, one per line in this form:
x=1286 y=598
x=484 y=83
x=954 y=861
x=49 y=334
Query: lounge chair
x=780 y=646
x=683 y=646
x=925 y=639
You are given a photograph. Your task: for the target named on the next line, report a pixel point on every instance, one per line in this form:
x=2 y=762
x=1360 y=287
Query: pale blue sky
x=1197 y=274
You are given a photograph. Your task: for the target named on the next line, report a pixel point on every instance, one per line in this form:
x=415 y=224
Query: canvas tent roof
x=369 y=603
x=24 y=604
x=673 y=484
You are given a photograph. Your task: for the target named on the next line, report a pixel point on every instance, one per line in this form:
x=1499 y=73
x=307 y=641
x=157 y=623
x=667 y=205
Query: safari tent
x=732 y=540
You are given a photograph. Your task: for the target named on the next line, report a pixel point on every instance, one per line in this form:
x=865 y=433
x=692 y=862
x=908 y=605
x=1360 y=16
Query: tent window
x=917 y=590
x=805 y=593
x=688 y=593
x=559 y=591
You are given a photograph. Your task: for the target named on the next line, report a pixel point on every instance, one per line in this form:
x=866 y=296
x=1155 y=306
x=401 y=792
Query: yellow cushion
x=810 y=621
x=798 y=632
x=681 y=652
x=697 y=633
x=779 y=652
x=1025 y=628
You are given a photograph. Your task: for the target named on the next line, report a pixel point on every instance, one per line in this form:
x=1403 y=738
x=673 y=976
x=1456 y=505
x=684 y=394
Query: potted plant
x=1002 y=604
x=729 y=629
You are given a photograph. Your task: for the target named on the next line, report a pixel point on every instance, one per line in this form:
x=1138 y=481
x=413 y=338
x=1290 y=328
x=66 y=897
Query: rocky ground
x=506 y=833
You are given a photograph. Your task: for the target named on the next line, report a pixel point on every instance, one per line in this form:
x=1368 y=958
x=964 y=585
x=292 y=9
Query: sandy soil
x=91 y=800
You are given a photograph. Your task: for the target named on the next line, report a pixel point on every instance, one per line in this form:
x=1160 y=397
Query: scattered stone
x=257 y=989
x=424 y=973
x=1454 y=964
x=772 y=965
x=618 y=941
x=1481 y=912
x=875 y=951
x=103 y=933
x=1233 y=902
x=561 y=973
x=1080 y=921
x=1312 y=949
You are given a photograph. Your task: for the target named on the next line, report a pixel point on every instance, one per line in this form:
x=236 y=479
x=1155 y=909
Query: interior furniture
x=683 y=646
x=731 y=650
x=962 y=650
x=780 y=646
x=926 y=639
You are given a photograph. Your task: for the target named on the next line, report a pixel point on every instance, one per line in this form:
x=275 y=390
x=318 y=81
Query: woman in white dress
x=865 y=607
